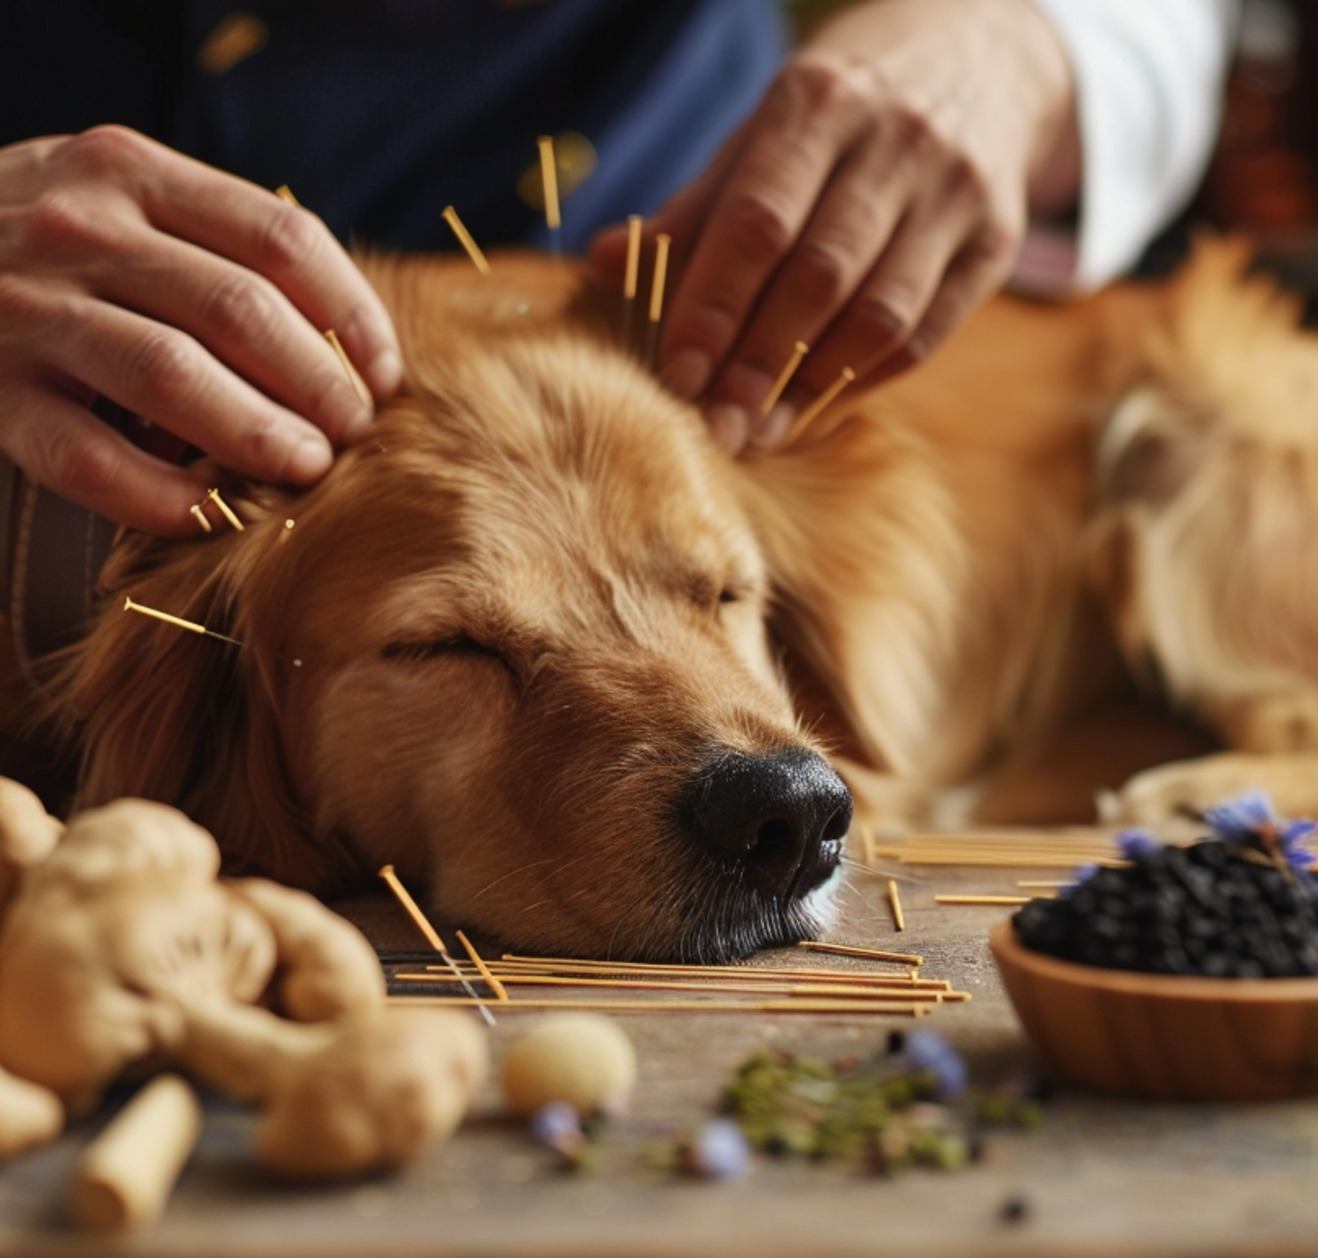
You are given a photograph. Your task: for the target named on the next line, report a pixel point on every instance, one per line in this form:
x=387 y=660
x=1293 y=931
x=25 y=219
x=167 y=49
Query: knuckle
x=997 y=241
x=887 y=315
x=818 y=81
x=241 y=306
x=259 y=445
x=83 y=469
x=20 y=306
x=823 y=275
x=762 y=227
x=885 y=318
x=164 y=364
x=59 y=225
x=292 y=238
x=108 y=147
x=970 y=182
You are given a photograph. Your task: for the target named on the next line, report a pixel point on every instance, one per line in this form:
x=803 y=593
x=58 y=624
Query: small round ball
x=584 y=1059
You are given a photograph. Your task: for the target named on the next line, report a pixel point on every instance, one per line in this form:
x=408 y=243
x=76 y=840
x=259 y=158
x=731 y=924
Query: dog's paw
x=1178 y=793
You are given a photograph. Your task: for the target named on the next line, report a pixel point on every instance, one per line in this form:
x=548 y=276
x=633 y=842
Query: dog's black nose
x=784 y=815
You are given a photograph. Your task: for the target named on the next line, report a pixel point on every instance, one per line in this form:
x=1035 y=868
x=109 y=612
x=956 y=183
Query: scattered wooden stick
x=124 y=1177
x=728 y=973
x=982 y=899
x=465 y=240
x=895 y=903
x=499 y=990
x=713 y=1005
x=765 y=986
x=872 y=954
x=286 y=193
x=177 y=621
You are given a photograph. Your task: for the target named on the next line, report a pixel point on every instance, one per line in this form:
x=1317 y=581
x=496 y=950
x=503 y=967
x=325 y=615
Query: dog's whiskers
x=512 y=873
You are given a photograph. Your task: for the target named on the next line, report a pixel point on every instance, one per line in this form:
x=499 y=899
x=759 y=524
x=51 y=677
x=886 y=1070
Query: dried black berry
x=1213 y=908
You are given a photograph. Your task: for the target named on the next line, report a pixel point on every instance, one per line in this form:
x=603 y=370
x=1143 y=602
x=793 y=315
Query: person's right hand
x=192 y=298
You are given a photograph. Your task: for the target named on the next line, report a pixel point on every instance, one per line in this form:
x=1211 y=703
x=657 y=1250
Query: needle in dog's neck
x=549 y=178
x=657 y=283
x=629 y=280
x=465 y=240
x=177 y=621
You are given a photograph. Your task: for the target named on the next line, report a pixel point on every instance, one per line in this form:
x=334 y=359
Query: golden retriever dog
x=598 y=687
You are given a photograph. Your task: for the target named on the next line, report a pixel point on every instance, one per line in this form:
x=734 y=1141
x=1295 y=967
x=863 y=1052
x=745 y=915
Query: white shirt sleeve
x=1149 y=77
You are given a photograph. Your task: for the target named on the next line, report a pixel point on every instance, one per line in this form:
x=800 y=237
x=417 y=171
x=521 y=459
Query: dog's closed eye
x=446 y=646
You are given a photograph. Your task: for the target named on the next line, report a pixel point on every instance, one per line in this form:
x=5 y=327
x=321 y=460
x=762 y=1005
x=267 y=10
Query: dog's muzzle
x=780 y=818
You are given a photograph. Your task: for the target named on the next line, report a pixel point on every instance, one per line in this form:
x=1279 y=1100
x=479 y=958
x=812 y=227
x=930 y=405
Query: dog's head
x=514 y=644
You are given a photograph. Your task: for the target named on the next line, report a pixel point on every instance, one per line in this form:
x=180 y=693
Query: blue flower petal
x=1294 y=831
x=1301 y=862
x=558 y=1125
x=1134 y=845
x=1240 y=817
x=720 y=1150
x=928 y=1053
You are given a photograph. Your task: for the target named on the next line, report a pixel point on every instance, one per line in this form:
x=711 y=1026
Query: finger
x=754 y=221
x=975 y=274
x=878 y=324
x=62 y=446
x=244 y=320
x=166 y=377
x=257 y=229
x=848 y=232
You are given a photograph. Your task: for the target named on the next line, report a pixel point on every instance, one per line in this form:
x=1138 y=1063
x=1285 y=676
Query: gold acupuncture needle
x=465 y=240
x=413 y=911
x=784 y=377
x=657 y=284
x=549 y=177
x=631 y=277
x=177 y=621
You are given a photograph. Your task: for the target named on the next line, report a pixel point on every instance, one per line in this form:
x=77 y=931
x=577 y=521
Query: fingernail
x=728 y=426
x=687 y=373
x=385 y=373
x=773 y=428
x=309 y=459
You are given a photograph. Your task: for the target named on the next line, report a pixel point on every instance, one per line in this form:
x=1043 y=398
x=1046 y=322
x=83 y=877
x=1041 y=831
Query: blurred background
x=1262 y=179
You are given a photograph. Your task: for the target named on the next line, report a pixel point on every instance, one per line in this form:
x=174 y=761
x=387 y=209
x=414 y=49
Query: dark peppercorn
x=1239 y=905
x=1015 y=1209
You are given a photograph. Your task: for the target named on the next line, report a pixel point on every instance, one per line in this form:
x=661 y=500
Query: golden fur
x=504 y=637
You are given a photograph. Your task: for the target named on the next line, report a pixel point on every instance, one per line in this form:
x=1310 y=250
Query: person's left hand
x=876 y=196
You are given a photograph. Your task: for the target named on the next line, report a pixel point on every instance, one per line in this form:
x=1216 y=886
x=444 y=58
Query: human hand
x=187 y=296
x=878 y=193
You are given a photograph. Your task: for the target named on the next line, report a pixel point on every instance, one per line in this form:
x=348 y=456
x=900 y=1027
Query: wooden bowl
x=1164 y=1036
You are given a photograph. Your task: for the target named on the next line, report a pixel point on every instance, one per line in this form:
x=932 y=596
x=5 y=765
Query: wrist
x=1056 y=164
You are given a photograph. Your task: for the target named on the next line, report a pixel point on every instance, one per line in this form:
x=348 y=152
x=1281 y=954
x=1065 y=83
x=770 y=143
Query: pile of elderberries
x=1241 y=903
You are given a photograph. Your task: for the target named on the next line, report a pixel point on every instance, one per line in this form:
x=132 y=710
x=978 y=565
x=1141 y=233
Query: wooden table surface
x=1102 y=1175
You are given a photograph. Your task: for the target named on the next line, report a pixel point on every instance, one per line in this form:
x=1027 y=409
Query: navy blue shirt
x=378 y=113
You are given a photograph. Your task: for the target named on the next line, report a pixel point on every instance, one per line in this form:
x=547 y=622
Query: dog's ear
x=166 y=713
x=859 y=537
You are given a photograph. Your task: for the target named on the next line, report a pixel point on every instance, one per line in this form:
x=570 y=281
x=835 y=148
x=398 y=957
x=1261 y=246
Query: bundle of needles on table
x=1240 y=903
